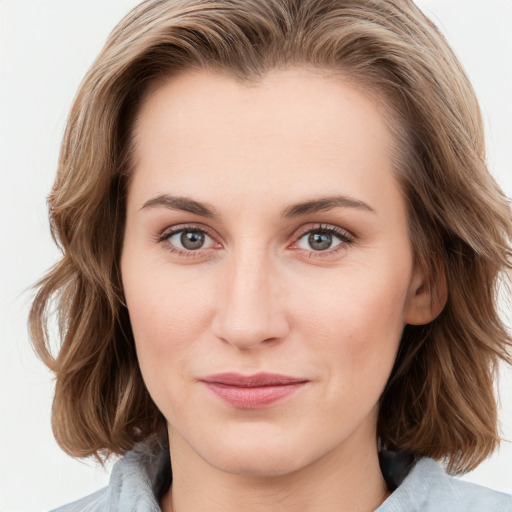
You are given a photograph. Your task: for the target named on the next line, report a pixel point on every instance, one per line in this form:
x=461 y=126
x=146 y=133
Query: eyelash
x=344 y=236
x=168 y=233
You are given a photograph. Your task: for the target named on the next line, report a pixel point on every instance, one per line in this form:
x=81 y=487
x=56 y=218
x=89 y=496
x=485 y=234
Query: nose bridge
x=250 y=310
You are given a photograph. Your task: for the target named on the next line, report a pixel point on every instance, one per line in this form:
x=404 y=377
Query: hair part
x=439 y=401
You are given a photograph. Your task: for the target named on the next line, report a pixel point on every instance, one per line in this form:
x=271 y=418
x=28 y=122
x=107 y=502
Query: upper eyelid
x=296 y=233
x=172 y=230
x=331 y=228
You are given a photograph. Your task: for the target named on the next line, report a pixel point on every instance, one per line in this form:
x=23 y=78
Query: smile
x=253 y=391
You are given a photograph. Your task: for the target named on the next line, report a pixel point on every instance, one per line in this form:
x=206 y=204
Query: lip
x=253 y=391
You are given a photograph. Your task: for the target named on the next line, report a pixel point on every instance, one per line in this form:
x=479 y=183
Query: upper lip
x=250 y=381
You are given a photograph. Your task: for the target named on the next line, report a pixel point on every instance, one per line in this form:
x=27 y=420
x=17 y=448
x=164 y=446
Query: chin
x=258 y=463
x=260 y=455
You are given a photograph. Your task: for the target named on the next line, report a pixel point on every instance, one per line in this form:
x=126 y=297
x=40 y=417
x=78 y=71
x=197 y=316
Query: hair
x=439 y=401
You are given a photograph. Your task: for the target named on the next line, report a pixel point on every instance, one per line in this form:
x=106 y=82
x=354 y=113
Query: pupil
x=320 y=241
x=192 y=239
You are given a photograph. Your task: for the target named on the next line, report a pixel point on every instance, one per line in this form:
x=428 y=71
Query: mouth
x=253 y=391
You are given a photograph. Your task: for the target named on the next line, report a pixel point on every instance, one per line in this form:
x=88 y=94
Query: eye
x=187 y=239
x=323 y=239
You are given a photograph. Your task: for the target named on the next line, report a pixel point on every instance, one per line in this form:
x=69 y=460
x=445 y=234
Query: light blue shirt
x=137 y=478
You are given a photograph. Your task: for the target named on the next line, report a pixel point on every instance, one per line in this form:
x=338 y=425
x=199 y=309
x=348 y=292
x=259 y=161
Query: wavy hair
x=439 y=400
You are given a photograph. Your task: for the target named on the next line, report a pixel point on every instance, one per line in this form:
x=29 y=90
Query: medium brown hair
x=439 y=401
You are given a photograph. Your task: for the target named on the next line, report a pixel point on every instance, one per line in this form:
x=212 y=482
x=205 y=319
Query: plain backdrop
x=45 y=49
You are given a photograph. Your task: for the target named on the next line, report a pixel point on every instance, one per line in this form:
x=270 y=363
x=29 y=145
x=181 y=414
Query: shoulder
x=134 y=485
x=428 y=488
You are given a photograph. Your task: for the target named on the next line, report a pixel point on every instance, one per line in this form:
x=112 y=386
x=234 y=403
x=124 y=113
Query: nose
x=251 y=307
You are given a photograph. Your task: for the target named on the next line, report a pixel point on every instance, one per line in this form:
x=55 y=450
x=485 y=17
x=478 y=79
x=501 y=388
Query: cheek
x=168 y=312
x=168 y=323
x=356 y=319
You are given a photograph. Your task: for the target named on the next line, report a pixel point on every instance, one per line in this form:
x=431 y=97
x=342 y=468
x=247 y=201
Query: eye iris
x=320 y=241
x=192 y=239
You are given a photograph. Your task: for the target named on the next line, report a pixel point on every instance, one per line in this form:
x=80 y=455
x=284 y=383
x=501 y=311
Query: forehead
x=295 y=96
x=205 y=131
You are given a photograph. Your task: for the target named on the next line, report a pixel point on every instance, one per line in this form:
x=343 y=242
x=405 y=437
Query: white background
x=45 y=49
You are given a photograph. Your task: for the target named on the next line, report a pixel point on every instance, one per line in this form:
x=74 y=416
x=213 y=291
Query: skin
x=257 y=296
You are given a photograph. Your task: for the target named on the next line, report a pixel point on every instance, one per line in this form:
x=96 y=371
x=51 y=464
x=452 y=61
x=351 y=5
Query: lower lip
x=253 y=397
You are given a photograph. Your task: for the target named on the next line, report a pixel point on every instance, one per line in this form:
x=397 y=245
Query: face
x=267 y=267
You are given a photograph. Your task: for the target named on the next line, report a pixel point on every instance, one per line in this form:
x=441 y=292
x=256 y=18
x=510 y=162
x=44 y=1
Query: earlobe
x=427 y=298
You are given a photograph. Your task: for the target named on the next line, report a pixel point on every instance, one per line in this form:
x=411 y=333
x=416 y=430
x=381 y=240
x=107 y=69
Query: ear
x=427 y=297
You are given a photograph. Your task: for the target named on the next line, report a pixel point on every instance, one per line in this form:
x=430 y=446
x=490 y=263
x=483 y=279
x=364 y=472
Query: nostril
x=248 y=332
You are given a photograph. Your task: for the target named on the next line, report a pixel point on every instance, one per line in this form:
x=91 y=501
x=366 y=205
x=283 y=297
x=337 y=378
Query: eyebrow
x=321 y=204
x=184 y=204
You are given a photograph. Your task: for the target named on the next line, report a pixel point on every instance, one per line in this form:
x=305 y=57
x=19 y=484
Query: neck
x=345 y=480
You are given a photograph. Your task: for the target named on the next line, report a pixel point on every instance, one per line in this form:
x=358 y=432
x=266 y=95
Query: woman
x=281 y=249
